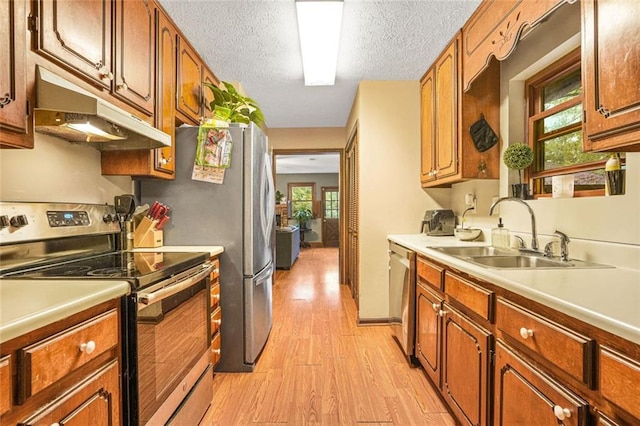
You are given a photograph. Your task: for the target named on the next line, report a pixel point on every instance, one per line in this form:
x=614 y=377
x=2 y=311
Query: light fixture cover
x=319 y=24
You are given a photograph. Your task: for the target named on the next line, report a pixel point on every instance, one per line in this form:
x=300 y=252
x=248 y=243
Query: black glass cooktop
x=140 y=268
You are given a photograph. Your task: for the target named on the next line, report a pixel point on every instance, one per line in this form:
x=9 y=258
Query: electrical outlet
x=470 y=200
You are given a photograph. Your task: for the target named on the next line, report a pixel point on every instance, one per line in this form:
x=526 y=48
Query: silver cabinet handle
x=163 y=293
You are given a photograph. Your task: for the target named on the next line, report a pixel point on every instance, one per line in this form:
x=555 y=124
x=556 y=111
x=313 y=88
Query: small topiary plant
x=518 y=156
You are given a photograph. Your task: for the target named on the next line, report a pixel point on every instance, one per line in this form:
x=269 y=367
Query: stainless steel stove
x=165 y=341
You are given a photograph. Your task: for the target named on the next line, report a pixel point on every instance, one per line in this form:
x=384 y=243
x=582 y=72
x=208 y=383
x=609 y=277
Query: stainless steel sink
x=491 y=257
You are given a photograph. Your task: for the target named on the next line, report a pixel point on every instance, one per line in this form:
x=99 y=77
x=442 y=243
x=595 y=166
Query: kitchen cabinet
x=207 y=94
x=448 y=152
x=494 y=30
x=618 y=374
x=65 y=372
x=16 y=124
x=189 y=83
x=610 y=64
x=216 y=311
x=429 y=331
x=156 y=163
x=524 y=395
x=81 y=36
x=466 y=350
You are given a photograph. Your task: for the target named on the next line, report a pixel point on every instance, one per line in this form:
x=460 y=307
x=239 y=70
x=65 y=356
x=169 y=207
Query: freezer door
x=257 y=313
x=259 y=212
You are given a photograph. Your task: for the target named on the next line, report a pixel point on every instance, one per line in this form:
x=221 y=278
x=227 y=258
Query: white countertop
x=26 y=305
x=606 y=298
x=213 y=250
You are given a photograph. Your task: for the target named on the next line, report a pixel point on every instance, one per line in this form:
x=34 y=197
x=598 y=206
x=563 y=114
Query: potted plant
x=303 y=215
x=279 y=197
x=519 y=156
x=232 y=107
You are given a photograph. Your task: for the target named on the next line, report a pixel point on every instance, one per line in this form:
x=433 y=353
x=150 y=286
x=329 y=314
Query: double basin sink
x=491 y=257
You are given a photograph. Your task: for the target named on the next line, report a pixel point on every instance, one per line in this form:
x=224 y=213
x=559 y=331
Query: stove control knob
x=108 y=218
x=19 y=221
x=4 y=221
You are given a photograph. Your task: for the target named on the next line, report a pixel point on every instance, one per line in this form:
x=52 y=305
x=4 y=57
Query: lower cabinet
x=465 y=367
x=429 y=331
x=216 y=312
x=525 y=396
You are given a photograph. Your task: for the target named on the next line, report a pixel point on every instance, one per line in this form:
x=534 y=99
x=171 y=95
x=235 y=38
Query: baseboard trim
x=373 y=321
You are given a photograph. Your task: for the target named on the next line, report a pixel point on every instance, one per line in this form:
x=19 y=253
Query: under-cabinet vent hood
x=70 y=112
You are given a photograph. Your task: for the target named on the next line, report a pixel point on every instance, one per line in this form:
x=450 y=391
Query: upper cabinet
x=611 y=63
x=189 y=83
x=16 y=128
x=81 y=37
x=494 y=29
x=448 y=152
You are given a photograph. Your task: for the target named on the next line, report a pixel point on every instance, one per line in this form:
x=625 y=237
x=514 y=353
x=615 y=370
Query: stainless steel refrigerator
x=238 y=214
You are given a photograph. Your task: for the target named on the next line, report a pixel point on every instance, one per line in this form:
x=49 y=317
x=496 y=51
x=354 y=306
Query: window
x=554 y=99
x=302 y=196
x=331 y=204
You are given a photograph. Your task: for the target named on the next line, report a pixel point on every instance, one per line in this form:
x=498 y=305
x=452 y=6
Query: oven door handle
x=163 y=293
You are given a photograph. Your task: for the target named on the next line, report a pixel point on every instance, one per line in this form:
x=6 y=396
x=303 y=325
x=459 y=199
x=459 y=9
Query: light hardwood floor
x=320 y=367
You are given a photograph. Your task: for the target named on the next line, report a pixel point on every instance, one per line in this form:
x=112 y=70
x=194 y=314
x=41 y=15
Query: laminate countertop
x=605 y=298
x=26 y=305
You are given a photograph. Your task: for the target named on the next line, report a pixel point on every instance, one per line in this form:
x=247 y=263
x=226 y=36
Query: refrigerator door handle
x=268 y=222
x=264 y=274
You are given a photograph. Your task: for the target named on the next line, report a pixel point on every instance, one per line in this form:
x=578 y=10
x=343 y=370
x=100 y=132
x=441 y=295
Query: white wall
x=586 y=220
x=320 y=179
x=57 y=171
x=392 y=201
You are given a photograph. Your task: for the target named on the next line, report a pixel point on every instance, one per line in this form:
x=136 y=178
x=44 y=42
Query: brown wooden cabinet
x=216 y=312
x=524 y=395
x=619 y=374
x=611 y=62
x=134 y=60
x=429 y=331
x=448 y=152
x=466 y=350
x=16 y=127
x=494 y=30
x=189 y=83
x=66 y=372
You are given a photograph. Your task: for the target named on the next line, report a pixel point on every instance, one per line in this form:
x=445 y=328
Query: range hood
x=72 y=113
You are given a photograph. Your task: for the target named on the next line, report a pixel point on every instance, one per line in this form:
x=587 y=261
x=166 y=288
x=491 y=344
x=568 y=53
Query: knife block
x=146 y=235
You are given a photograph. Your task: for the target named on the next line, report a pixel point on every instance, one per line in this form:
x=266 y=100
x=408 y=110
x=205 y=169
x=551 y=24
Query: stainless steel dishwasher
x=402 y=296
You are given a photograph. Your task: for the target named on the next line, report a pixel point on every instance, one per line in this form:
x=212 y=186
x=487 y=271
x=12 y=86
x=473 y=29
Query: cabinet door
x=611 y=62
x=14 y=108
x=207 y=94
x=95 y=401
x=524 y=396
x=428 y=331
x=77 y=35
x=465 y=368
x=189 y=83
x=446 y=104
x=164 y=158
x=427 y=129
x=134 y=54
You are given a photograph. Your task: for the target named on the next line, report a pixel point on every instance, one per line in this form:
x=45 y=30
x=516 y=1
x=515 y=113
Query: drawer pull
x=55 y=424
x=561 y=413
x=217 y=321
x=442 y=313
x=216 y=351
x=216 y=297
x=525 y=333
x=436 y=307
x=88 y=347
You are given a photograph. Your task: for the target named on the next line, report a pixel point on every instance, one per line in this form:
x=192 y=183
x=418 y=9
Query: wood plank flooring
x=319 y=367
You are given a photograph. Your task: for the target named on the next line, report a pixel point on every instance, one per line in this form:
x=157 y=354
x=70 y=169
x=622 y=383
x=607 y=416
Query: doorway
x=330 y=216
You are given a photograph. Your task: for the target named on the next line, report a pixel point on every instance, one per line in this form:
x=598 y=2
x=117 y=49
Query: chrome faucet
x=564 y=245
x=534 y=235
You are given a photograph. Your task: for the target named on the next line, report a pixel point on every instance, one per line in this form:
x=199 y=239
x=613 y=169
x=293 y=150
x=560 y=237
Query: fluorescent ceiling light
x=319 y=25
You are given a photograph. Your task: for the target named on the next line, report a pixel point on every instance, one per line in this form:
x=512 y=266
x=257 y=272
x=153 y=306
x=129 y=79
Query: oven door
x=173 y=338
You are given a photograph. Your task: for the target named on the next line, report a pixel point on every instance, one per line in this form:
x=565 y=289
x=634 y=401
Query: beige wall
x=391 y=199
x=307 y=138
x=57 y=171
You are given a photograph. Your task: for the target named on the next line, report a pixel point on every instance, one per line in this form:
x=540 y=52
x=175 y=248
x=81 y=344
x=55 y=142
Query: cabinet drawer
x=474 y=298
x=215 y=295
x=216 y=320
x=430 y=273
x=562 y=347
x=5 y=384
x=47 y=361
x=215 y=349
x=215 y=272
x=620 y=380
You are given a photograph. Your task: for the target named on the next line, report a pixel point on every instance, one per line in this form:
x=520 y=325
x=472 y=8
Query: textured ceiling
x=256 y=43
x=308 y=163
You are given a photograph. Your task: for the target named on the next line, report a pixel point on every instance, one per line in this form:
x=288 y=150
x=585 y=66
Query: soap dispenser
x=500 y=236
